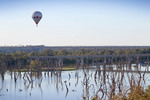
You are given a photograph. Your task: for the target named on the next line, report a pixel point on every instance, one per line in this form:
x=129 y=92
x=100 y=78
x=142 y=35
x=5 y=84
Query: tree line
x=12 y=59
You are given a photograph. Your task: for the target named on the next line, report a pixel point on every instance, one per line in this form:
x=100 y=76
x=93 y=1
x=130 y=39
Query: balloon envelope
x=36 y=16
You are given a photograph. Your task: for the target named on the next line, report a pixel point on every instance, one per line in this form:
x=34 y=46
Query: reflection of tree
x=113 y=84
x=86 y=85
x=67 y=90
x=77 y=78
x=96 y=85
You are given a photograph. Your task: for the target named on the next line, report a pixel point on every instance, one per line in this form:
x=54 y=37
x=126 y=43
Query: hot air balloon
x=36 y=16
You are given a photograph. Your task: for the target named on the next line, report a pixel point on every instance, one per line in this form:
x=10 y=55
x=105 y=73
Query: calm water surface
x=71 y=85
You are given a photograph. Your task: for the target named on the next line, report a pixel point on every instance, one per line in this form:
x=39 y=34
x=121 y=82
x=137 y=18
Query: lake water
x=70 y=85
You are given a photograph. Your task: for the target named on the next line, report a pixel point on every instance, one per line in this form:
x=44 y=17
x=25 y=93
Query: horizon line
x=77 y=45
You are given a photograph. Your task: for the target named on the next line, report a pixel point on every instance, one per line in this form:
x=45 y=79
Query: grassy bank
x=46 y=69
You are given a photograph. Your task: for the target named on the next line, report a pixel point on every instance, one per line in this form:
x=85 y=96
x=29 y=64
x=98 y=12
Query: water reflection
x=69 y=85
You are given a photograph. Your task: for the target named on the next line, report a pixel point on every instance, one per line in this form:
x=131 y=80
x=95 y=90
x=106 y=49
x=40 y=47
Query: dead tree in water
x=2 y=68
x=38 y=66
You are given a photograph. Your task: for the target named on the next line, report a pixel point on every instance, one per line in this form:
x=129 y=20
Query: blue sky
x=75 y=22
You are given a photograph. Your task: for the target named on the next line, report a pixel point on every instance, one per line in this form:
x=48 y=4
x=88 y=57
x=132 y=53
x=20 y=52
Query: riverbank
x=46 y=69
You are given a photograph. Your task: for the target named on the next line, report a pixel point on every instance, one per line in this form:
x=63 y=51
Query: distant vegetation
x=29 y=48
x=22 y=55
